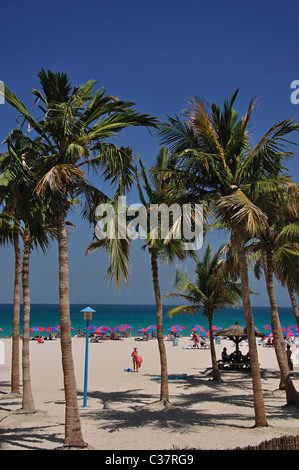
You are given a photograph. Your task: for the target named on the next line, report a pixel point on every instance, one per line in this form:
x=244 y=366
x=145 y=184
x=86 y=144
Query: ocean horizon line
x=138 y=305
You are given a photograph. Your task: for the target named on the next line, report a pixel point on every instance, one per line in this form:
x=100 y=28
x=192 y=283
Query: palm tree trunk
x=292 y=395
x=215 y=369
x=294 y=303
x=27 y=402
x=259 y=406
x=164 y=393
x=73 y=433
x=15 y=360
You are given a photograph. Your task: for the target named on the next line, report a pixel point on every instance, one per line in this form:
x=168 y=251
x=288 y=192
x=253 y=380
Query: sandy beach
x=122 y=413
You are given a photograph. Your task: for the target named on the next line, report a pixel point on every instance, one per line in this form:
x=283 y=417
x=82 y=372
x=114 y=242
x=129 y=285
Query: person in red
x=137 y=360
x=195 y=339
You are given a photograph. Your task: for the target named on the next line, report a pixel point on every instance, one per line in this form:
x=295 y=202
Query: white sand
x=121 y=414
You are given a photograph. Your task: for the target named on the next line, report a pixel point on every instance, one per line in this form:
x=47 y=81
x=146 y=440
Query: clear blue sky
x=157 y=54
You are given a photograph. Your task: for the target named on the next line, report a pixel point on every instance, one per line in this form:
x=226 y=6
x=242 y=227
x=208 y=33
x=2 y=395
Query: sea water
x=138 y=316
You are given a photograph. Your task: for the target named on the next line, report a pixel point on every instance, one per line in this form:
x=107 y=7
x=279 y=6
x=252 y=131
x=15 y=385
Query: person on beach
x=289 y=353
x=224 y=355
x=195 y=340
x=137 y=360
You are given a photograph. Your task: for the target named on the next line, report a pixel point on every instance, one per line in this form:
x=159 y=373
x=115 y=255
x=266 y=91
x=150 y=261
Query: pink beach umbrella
x=116 y=329
x=142 y=330
x=175 y=329
x=293 y=327
x=205 y=334
x=99 y=331
x=37 y=328
x=292 y=333
x=198 y=328
x=105 y=328
x=52 y=328
x=58 y=327
x=91 y=327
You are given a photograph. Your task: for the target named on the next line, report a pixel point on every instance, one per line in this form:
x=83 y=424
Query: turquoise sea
x=46 y=315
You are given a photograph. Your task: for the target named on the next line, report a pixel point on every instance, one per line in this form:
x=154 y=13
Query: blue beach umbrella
x=105 y=328
x=127 y=327
x=91 y=327
x=267 y=327
x=37 y=328
x=198 y=328
x=292 y=333
x=117 y=329
x=176 y=328
x=142 y=330
x=152 y=327
x=205 y=334
x=52 y=328
x=293 y=327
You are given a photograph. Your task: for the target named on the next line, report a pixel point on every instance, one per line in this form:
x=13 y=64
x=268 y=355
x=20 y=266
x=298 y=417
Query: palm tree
x=218 y=161
x=279 y=254
x=9 y=233
x=156 y=194
x=74 y=127
x=211 y=290
x=21 y=198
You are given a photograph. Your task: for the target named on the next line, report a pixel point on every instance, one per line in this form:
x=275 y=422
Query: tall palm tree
x=75 y=124
x=218 y=161
x=279 y=254
x=211 y=290
x=21 y=198
x=156 y=194
x=9 y=233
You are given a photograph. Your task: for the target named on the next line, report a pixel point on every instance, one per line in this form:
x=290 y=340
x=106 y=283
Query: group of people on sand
x=235 y=356
x=196 y=341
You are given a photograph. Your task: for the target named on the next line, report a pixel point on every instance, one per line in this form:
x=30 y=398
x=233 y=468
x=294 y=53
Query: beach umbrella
x=1 y=329
x=91 y=327
x=151 y=327
x=105 y=328
x=293 y=327
x=216 y=328
x=142 y=330
x=117 y=329
x=205 y=334
x=267 y=327
x=37 y=328
x=127 y=327
x=99 y=331
x=176 y=328
x=292 y=333
x=58 y=327
x=52 y=328
x=198 y=328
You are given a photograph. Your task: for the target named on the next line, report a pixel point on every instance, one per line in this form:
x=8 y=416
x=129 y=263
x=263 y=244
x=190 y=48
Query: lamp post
x=87 y=316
